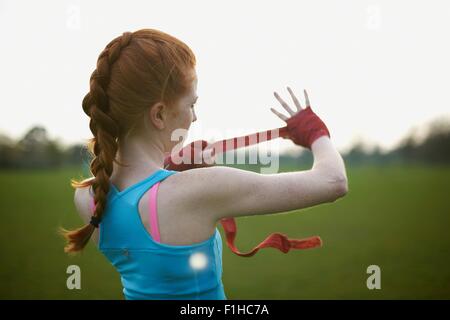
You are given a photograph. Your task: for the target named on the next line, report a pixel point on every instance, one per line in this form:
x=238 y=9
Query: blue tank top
x=150 y=269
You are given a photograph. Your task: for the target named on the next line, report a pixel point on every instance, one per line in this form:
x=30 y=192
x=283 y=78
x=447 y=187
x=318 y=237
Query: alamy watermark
x=73 y=17
x=374 y=280
x=261 y=148
x=374 y=17
x=74 y=279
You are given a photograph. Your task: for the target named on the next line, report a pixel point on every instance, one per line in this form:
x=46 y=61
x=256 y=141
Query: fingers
x=294 y=98
x=306 y=99
x=281 y=116
x=284 y=104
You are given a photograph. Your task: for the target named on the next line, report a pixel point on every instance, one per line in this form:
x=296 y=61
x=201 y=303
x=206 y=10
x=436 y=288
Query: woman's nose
x=195 y=116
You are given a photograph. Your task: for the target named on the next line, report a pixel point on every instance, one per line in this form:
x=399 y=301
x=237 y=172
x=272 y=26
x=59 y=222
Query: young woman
x=158 y=226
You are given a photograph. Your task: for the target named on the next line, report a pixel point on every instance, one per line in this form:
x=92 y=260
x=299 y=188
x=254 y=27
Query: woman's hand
x=286 y=106
x=304 y=126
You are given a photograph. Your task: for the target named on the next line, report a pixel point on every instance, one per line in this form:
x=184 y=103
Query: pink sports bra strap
x=154 y=226
x=92 y=204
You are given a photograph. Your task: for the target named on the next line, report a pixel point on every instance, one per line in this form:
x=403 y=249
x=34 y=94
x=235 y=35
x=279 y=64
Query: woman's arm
x=218 y=192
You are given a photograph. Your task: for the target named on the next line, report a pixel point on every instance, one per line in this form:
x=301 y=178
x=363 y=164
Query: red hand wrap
x=274 y=240
x=305 y=127
x=188 y=155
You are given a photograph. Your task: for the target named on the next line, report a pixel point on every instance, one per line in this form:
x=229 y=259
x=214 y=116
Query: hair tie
x=95 y=221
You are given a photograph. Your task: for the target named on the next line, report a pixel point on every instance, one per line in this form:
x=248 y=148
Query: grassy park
x=396 y=217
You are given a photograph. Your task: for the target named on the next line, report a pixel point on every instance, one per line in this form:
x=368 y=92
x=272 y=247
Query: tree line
x=36 y=150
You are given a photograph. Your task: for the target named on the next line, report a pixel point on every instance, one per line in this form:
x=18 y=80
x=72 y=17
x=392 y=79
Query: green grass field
x=395 y=217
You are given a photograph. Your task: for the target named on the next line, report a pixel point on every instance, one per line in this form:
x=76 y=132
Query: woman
x=156 y=227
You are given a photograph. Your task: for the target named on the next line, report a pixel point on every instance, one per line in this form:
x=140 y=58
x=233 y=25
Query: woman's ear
x=158 y=115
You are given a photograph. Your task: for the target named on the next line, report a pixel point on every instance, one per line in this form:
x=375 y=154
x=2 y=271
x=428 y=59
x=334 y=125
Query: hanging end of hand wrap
x=319 y=242
x=307 y=243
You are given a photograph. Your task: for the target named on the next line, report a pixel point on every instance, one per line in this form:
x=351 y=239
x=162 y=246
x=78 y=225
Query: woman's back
x=177 y=224
x=149 y=267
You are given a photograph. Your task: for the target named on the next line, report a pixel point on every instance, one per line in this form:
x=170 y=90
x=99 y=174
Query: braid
x=133 y=73
x=104 y=145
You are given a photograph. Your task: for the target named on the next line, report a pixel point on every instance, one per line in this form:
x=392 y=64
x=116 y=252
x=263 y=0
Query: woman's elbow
x=338 y=187
x=342 y=187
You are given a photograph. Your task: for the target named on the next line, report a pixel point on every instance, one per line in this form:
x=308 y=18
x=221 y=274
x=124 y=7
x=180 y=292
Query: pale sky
x=373 y=69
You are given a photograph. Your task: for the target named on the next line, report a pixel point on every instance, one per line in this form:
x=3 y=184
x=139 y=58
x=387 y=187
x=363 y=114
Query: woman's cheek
x=190 y=117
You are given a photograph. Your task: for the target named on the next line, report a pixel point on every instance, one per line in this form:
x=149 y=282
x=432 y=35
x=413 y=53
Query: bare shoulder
x=212 y=191
x=213 y=181
x=204 y=176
